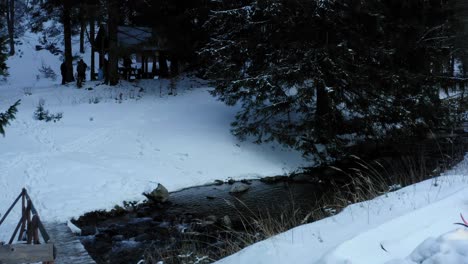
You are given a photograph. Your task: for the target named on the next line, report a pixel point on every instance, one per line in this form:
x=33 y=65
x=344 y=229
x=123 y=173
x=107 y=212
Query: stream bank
x=204 y=214
x=205 y=223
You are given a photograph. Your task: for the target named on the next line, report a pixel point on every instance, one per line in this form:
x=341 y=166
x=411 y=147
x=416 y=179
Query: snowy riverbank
x=114 y=142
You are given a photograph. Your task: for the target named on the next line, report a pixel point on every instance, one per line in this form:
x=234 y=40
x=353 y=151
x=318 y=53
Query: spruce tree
x=321 y=75
x=3 y=43
x=3 y=56
x=6 y=117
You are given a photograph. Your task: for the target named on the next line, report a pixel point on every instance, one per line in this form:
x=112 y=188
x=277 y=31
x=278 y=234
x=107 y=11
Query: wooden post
x=146 y=67
x=9 y=209
x=14 y=233
x=23 y=216
x=142 y=65
x=29 y=223
x=35 y=229
x=22 y=253
x=154 y=70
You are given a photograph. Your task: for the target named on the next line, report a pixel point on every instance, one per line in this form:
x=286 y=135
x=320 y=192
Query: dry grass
x=366 y=181
x=251 y=227
x=258 y=226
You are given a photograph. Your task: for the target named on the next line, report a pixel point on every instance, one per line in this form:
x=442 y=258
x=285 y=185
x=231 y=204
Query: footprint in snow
x=182 y=156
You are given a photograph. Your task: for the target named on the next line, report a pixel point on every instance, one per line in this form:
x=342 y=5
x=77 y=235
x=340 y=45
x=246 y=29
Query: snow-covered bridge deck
x=68 y=246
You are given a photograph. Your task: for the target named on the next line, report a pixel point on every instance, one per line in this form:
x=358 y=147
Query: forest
x=317 y=76
x=201 y=128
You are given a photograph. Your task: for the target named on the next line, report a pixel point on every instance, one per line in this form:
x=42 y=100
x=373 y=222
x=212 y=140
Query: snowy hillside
x=114 y=142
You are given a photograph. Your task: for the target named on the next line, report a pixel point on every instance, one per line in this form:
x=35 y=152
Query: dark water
x=159 y=226
x=261 y=198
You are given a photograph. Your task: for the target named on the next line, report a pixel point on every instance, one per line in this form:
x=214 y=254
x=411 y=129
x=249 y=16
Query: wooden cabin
x=143 y=45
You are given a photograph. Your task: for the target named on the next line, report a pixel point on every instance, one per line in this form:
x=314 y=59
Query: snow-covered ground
x=387 y=229
x=113 y=143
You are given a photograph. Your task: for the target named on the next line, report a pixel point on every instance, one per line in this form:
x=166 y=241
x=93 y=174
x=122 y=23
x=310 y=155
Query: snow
x=414 y=225
x=448 y=248
x=114 y=142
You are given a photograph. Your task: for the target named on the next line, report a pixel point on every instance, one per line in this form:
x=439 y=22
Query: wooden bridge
x=58 y=245
x=69 y=249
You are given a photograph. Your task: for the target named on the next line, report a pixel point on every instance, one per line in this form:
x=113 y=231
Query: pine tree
x=6 y=117
x=320 y=75
x=9 y=11
x=3 y=48
x=3 y=56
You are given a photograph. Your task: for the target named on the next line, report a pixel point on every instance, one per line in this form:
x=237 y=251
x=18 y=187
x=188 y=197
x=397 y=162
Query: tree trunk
x=154 y=70
x=163 y=70
x=322 y=112
x=101 y=50
x=82 y=26
x=11 y=25
x=322 y=101
x=174 y=66
x=67 y=39
x=91 y=39
x=113 y=55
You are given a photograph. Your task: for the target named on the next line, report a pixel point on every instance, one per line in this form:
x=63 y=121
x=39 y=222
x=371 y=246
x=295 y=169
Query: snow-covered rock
x=159 y=195
x=239 y=187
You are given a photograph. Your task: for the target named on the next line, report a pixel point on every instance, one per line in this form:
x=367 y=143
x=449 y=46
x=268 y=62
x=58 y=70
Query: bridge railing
x=28 y=247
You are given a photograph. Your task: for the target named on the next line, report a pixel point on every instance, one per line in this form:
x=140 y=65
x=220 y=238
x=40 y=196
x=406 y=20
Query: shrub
x=94 y=100
x=42 y=114
x=47 y=72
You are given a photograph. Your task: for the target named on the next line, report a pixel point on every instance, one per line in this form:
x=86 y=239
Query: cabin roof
x=132 y=38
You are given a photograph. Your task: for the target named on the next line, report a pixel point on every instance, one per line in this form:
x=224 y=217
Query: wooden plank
x=68 y=247
x=24 y=253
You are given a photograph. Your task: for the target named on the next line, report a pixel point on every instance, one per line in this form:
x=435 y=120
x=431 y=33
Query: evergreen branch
x=453 y=78
x=429 y=31
x=9 y=115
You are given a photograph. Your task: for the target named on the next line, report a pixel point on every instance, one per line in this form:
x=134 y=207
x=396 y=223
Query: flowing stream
x=125 y=235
